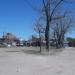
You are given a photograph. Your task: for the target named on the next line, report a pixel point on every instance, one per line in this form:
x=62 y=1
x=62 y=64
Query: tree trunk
x=40 y=40
x=63 y=40
x=47 y=36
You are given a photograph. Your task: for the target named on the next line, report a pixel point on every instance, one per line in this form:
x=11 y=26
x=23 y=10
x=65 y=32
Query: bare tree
x=62 y=27
x=49 y=11
x=49 y=8
x=38 y=27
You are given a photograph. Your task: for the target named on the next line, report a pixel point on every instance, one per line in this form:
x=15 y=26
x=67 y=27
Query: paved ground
x=24 y=61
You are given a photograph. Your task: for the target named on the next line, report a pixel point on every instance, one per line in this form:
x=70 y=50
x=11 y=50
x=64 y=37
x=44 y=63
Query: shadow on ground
x=44 y=52
x=37 y=52
x=12 y=51
x=31 y=52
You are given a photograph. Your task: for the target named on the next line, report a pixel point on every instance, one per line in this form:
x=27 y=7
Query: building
x=8 y=39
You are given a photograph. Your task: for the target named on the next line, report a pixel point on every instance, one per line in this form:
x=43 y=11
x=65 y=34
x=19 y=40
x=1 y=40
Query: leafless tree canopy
x=38 y=27
x=49 y=10
x=60 y=28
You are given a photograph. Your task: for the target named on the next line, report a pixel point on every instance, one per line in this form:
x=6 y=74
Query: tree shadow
x=13 y=51
x=56 y=51
x=33 y=52
x=45 y=53
x=36 y=51
x=27 y=51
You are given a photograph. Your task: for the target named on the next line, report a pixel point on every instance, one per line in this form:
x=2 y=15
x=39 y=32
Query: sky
x=18 y=18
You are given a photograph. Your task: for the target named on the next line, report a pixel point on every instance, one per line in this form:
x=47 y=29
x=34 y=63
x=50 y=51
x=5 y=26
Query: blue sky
x=18 y=18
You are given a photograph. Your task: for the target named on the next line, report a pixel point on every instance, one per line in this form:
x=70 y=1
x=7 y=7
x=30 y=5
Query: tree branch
x=55 y=7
